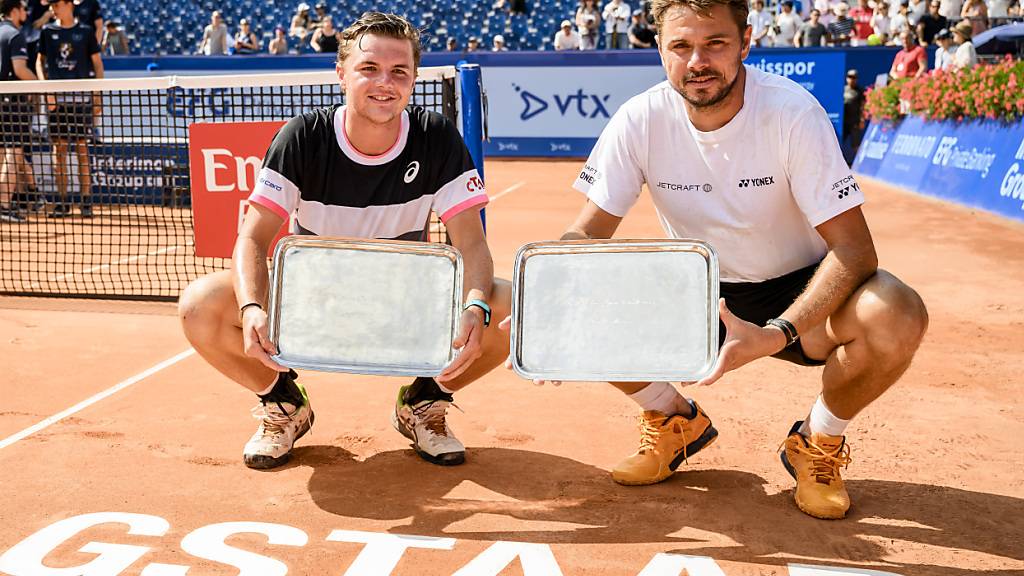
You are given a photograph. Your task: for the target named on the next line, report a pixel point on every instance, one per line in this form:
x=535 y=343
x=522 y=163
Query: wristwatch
x=483 y=306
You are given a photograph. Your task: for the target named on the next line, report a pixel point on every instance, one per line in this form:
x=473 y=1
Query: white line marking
x=94 y=399
x=509 y=190
x=104 y=266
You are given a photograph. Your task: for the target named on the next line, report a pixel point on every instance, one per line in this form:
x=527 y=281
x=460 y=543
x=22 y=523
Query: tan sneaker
x=425 y=423
x=281 y=424
x=665 y=442
x=814 y=462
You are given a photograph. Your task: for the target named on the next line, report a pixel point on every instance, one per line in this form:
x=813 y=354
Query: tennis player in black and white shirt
x=374 y=168
x=749 y=162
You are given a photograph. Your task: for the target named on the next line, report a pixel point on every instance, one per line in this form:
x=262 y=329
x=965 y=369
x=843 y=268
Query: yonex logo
x=748 y=182
x=845 y=191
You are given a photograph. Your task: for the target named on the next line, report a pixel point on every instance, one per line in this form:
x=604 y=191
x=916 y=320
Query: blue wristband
x=483 y=306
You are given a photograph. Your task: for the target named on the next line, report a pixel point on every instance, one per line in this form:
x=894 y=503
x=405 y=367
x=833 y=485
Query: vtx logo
x=578 y=103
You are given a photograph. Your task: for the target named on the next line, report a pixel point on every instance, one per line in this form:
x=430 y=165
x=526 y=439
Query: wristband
x=787 y=328
x=241 y=311
x=483 y=306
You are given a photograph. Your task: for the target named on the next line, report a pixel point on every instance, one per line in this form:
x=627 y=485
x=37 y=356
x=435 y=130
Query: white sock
x=823 y=421
x=663 y=397
x=444 y=389
x=269 y=388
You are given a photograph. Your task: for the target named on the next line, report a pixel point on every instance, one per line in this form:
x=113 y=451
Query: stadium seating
x=176 y=26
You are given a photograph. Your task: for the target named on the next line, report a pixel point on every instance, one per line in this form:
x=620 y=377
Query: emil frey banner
x=225 y=159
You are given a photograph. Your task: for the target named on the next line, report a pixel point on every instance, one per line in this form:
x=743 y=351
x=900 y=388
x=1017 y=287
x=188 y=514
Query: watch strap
x=481 y=305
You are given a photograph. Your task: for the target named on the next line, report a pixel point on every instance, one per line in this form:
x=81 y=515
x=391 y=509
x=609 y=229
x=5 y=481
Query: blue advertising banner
x=561 y=110
x=977 y=164
x=138 y=173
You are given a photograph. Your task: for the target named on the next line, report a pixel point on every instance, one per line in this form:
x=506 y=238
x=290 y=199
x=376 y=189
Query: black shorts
x=71 y=121
x=758 y=302
x=15 y=120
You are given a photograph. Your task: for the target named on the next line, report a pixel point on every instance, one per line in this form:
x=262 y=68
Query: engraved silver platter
x=615 y=310
x=381 y=307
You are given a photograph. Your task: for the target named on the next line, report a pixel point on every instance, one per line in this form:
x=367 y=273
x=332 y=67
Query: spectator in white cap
x=840 y=31
x=301 y=22
x=246 y=41
x=567 y=38
x=498 y=44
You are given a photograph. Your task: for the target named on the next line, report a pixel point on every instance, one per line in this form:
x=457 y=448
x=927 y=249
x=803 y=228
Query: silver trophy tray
x=380 y=307
x=615 y=310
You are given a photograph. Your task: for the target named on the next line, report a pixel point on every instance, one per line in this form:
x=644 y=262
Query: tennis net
x=95 y=181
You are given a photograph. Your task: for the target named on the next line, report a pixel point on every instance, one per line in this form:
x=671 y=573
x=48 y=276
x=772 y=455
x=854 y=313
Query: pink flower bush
x=987 y=91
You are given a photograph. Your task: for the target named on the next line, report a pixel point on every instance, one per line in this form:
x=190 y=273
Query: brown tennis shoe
x=665 y=442
x=814 y=462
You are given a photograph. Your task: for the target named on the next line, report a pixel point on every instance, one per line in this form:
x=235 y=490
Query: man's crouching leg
x=421 y=408
x=210 y=318
x=869 y=343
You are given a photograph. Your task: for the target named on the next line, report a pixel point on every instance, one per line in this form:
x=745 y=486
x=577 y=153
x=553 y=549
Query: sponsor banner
x=977 y=164
x=142 y=173
x=823 y=74
x=225 y=160
x=560 y=111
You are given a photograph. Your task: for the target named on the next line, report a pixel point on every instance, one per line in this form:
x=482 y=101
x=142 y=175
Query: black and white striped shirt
x=311 y=170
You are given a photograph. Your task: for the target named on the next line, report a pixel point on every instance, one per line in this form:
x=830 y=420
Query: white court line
x=94 y=399
x=104 y=266
x=509 y=190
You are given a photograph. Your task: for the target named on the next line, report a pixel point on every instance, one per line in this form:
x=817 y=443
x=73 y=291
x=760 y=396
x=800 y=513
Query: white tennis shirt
x=754 y=189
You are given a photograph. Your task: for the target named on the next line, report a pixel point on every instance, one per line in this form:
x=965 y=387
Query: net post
x=471 y=105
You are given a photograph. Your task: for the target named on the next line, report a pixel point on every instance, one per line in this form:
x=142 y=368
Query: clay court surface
x=936 y=481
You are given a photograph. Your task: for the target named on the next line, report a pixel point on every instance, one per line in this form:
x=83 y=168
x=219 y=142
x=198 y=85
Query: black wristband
x=787 y=328
x=241 y=311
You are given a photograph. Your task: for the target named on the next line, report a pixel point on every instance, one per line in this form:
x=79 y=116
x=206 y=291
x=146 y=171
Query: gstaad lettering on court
x=379 y=556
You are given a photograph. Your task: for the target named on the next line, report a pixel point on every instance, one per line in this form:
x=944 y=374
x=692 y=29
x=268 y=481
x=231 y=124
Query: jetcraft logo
x=706 y=188
x=577 y=103
x=1012 y=185
x=947 y=153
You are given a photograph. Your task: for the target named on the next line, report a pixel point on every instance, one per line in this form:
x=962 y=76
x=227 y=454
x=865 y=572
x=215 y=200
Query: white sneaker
x=424 y=423
x=281 y=424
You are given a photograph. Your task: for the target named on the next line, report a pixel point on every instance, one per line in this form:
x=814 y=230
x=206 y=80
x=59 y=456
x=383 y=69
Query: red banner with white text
x=224 y=161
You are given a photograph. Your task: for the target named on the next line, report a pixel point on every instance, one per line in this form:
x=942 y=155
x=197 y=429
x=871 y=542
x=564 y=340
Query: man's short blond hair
x=380 y=24
x=739 y=9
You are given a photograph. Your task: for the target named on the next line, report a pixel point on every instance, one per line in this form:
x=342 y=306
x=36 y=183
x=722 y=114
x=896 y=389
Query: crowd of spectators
x=798 y=23
x=598 y=24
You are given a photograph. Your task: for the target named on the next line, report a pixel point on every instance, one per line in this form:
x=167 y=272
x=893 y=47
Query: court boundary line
x=509 y=190
x=94 y=399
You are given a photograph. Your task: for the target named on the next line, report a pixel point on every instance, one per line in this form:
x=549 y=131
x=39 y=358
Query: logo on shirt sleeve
x=590 y=175
x=843 y=187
